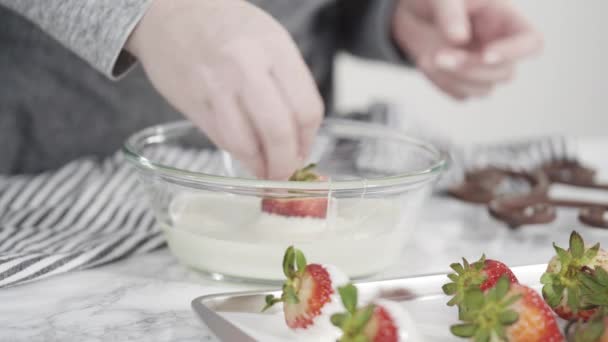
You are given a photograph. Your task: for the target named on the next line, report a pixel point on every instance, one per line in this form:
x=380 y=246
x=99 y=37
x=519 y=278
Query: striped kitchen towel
x=86 y=214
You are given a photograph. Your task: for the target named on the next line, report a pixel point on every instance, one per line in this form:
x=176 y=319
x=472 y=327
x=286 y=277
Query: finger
x=237 y=134
x=273 y=123
x=480 y=73
x=302 y=95
x=205 y=118
x=447 y=87
x=453 y=20
x=420 y=39
x=448 y=59
x=458 y=88
x=513 y=48
x=469 y=66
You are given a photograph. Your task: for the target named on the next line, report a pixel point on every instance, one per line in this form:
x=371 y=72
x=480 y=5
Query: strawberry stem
x=305 y=174
x=353 y=321
x=567 y=280
x=294 y=266
x=487 y=314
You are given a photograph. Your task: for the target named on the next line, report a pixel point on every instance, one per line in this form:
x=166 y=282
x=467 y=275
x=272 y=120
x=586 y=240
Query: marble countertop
x=147 y=297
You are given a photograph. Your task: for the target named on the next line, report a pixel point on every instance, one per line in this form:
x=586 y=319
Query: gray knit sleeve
x=96 y=30
x=365 y=29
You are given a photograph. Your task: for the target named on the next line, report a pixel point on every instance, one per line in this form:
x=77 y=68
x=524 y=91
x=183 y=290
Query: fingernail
x=448 y=61
x=459 y=33
x=491 y=57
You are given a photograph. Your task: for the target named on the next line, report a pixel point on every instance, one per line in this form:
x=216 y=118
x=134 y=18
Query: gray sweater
x=69 y=90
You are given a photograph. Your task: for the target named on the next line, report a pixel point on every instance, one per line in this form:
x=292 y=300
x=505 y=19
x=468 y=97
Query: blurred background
x=565 y=90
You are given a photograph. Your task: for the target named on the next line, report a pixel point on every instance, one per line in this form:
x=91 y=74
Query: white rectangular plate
x=420 y=295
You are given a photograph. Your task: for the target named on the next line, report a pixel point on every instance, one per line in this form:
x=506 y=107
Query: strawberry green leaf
x=547 y=278
x=360 y=338
x=601 y=275
x=577 y=245
x=309 y=167
x=305 y=175
x=508 y=317
x=288 y=262
x=562 y=254
x=482 y=336
x=492 y=295
x=511 y=300
x=453 y=301
x=449 y=288
x=573 y=299
x=453 y=277
x=363 y=316
x=457 y=267
x=270 y=301
x=500 y=331
x=591 y=253
x=348 y=294
x=465 y=262
x=464 y=330
x=552 y=297
x=338 y=319
x=466 y=315
x=300 y=261
x=589 y=285
x=594 y=289
x=502 y=286
x=474 y=299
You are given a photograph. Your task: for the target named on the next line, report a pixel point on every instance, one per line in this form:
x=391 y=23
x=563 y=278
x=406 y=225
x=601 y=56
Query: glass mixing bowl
x=209 y=207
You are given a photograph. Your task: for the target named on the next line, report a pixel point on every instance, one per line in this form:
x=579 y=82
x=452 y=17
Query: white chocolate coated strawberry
x=322 y=329
x=403 y=320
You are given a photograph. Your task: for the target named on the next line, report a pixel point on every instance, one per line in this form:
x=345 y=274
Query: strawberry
x=562 y=279
x=307 y=291
x=315 y=207
x=373 y=323
x=482 y=274
x=507 y=312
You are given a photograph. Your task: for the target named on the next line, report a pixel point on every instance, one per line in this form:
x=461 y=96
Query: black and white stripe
x=83 y=215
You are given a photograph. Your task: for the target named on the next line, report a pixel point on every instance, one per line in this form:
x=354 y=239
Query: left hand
x=465 y=47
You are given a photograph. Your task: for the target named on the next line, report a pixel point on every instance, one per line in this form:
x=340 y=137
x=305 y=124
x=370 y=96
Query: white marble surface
x=147 y=298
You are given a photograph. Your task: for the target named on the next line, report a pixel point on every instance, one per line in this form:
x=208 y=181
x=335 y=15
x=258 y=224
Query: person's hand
x=236 y=73
x=465 y=47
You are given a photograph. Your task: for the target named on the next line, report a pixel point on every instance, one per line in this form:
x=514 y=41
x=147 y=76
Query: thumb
x=452 y=19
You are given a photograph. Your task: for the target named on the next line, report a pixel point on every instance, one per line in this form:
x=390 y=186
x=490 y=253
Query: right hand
x=465 y=47
x=235 y=73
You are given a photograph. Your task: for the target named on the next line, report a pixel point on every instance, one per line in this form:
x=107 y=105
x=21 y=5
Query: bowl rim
x=157 y=134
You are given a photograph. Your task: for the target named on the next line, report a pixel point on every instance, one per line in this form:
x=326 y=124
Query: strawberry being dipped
x=482 y=274
x=507 y=312
x=381 y=321
x=309 y=295
x=562 y=283
x=315 y=207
